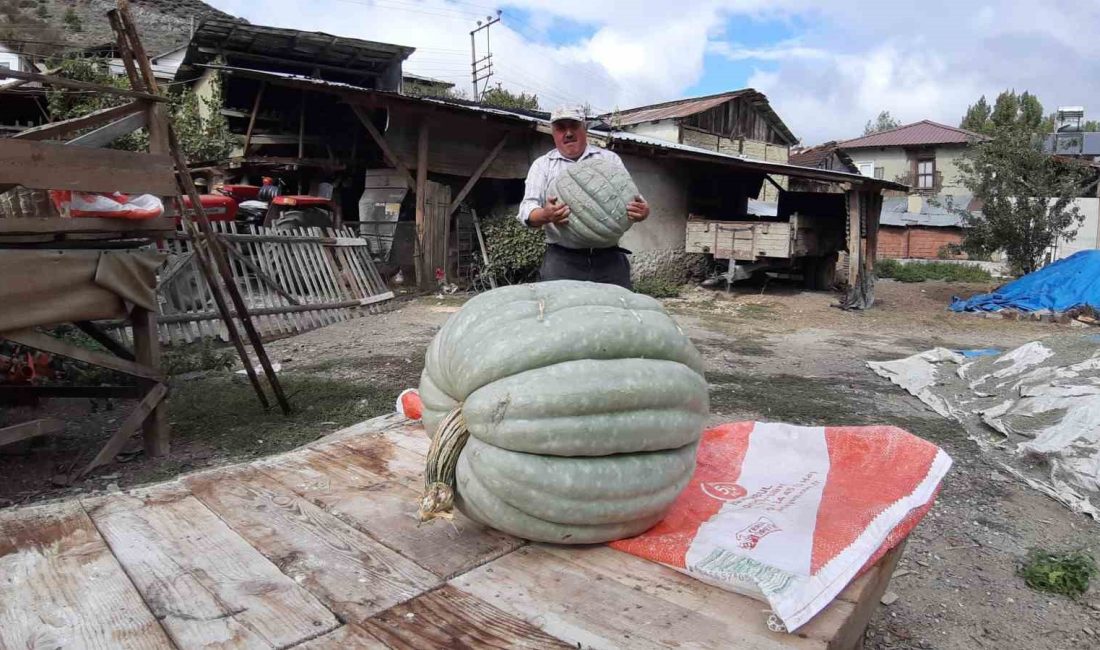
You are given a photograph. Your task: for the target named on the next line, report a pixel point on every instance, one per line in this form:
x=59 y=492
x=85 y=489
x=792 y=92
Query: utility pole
x=481 y=69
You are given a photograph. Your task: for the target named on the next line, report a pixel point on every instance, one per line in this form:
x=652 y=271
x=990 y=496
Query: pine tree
x=977 y=117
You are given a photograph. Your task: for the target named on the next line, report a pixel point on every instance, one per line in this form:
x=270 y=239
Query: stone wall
x=672 y=264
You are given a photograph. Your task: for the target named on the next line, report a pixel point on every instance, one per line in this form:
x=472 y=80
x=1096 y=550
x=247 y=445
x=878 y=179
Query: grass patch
x=921 y=271
x=1058 y=573
x=223 y=412
x=203 y=355
x=657 y=287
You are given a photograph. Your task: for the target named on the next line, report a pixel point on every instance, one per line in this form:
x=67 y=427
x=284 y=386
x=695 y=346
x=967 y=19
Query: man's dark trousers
x=607 y=265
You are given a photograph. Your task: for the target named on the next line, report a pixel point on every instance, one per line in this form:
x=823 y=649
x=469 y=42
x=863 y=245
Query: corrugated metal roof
x=895 y=212
x=542 y=122
x=678 y=108
x=918 y=133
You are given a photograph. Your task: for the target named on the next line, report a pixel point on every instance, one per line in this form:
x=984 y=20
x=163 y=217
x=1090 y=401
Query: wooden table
x=318 y=548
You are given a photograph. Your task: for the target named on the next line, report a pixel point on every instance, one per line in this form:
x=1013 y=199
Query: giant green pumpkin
x=583 y=404
x=596 y=190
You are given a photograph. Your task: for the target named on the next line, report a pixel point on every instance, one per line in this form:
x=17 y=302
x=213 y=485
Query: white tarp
x=1041 y=399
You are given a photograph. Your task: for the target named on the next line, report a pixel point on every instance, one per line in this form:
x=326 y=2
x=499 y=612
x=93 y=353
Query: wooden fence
x=292 y=281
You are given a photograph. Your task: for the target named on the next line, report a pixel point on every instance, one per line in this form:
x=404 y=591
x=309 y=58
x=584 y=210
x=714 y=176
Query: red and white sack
x=790 y=515
x=106 y=206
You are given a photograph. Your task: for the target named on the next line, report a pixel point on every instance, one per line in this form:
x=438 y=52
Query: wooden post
x=853 y=236
x=874 y=212
x=252 y=118
x=155 y=429
x=302 y=128
x=387 y=151
x=423 y=273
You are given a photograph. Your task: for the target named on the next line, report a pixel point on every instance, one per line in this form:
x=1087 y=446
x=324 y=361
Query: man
x=540 y=209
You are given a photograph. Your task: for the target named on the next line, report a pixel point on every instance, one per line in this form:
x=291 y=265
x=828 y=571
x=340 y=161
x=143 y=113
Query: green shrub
x=921 y=271
x=1059 y=573
x=515 y=251
x=657 y=287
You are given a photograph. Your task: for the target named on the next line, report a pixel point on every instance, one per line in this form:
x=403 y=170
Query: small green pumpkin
x=562 y=411
x=597 y=191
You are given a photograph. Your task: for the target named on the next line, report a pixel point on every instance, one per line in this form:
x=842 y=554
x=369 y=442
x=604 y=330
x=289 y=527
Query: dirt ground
x=774 y=353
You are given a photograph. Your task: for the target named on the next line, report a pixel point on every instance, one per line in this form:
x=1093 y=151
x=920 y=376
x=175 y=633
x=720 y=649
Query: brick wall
x=915 y=243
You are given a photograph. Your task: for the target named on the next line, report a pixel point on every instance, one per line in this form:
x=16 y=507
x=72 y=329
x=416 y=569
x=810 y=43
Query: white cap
x=575 y=113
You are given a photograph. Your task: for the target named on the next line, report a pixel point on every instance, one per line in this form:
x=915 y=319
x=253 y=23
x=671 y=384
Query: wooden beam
x=389 y=153
x=476 y=175
x=32 y=429
x=124 y=51
x=481 y=244
x=155 y=428
x=423 y=272
x=157 y=227
x=49 y=166
x=62 y=130
x=83 y=85
x=289 y=309
x=24 y=391
x=252 y=117
x=46 y=343
x=105 y=135
x=267 y=279
x=106 y=340
x=129 y=426
x=853 y=237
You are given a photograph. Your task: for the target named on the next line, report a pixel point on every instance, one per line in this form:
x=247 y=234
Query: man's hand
x=554 y=211
x=637 y=210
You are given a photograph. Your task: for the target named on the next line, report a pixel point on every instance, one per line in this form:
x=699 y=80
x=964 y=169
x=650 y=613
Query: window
x=926 y=174
x=880 y=173
x=866 y=168
x=5 y=65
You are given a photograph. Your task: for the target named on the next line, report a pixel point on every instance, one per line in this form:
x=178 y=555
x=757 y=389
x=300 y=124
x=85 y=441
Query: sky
x=827 y=66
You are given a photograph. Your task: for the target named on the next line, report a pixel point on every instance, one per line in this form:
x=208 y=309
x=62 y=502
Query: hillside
x=49 y=26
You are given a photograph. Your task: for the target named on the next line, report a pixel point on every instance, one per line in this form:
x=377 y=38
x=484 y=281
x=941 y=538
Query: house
x=922 y=155
x=913 y=227
x=824 y=156
x=418 y=86
x=738 y=122
x=21 y=101
x=1070 y=139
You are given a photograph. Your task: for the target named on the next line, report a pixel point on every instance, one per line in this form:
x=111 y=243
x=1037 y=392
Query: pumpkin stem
x=439 y=474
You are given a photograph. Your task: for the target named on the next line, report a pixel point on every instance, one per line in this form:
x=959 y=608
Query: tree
x=977 y=117
x=884 y=122
x=504 y=98
x=201 y=138
x=1026 y=195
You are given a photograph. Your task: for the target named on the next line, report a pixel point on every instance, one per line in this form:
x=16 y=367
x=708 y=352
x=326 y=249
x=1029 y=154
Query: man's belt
x=589 y=252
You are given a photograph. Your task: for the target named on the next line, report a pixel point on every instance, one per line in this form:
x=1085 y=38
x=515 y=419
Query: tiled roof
x=918 y=133
x=814 y=156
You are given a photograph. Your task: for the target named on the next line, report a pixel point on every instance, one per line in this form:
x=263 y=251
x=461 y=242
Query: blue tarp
x=1059 y=287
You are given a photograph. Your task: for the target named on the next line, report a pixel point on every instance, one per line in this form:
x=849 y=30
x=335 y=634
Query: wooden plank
x=352 y=574
x=574 y=603
x=262 y=275
x=287 y=323
x=97 y=392
x=865 y=593
x=62 y=587
x=46 y=343
x=82 y=85
x=32 y=429
x=106 y=340
x=492 y=155
x=58 y=225
x=156 y=432
x=204 y=583
x=379 y=140
x=49 y=166
x=348 y=636
x=107 y=134
x=390 y=460
x=449 y=618
x=352 y=487
x=64 y=129
x=423 y=259
x=129 y=426
x=252 y=117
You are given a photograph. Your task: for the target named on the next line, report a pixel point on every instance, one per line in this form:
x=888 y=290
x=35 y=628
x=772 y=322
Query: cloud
x=846 y=60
